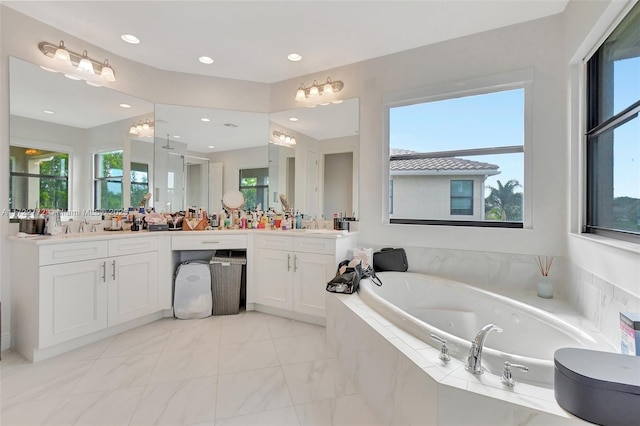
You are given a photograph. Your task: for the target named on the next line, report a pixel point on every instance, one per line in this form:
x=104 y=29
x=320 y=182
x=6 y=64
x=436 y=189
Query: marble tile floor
x=245 y=369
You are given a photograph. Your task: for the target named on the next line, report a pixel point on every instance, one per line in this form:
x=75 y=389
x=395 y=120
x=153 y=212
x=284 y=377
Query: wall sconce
x=283 y=138
x=80 y=65
x=317 y=89
x=142 y=128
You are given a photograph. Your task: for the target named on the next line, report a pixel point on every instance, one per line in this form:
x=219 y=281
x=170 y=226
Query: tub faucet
x=474 y=360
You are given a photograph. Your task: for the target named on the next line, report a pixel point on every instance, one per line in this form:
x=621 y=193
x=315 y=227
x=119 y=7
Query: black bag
x=347 y=282
x=390 y=259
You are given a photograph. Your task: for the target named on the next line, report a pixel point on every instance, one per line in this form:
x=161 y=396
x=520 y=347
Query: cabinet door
x=311 y=274
x=73 y=300
x=133 y=286
x=274 y=278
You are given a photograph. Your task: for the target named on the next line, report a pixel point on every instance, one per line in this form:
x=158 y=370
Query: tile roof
x=436 y=164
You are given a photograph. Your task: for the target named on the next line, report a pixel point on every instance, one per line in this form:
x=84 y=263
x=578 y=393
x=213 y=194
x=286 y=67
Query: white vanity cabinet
x=291 y=272
x=80 y=288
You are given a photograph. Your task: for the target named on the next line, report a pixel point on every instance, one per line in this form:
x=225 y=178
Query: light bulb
x=85 y=64
x=139 y=127
x=62 y=54
x=300 y=94
x=287 y=139
x=313 y=91
x=281 y=136
x=327 y=89
x=107 y=72
x=145 y=125
x=293 y=141
x=132 y=130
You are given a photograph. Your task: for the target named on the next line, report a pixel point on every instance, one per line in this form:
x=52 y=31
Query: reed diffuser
x=544 y=287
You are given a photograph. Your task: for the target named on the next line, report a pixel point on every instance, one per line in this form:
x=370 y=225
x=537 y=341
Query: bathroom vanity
x=71 y=290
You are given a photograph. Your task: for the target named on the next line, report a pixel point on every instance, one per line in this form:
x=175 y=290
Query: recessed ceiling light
x=294 y=57
x=46 y=111
x=293 y=119
x=48 y=69
x=130 y=38
x=176 y=136
x=205 y=60
x=72 y=77
x=211 y=146
x=205 y=119
x=125 y=105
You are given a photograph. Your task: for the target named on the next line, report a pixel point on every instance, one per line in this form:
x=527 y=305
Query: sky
x=481 y=121
x=497 y=119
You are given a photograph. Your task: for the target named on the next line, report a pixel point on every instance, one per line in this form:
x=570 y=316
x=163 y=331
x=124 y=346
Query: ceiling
x=250 y=40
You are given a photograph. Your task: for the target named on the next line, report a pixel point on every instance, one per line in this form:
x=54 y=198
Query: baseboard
x=5 y=342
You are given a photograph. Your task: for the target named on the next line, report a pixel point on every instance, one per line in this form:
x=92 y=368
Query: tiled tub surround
x=594 y=298
x=423 y=305
x=402 y=378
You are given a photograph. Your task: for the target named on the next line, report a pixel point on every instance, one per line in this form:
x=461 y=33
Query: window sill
x=610 y=242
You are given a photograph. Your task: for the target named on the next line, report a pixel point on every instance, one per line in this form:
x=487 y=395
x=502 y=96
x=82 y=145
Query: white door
x=311 y=274
x=133 y=286
x=73 y=300
x=274 y=278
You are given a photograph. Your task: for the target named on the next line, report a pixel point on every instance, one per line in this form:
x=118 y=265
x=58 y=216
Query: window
x=459 y=155
x=254 y=185
x=38 y=178
x=108 y=181
x=613 y=134
x=461 y=197
x=139 y=182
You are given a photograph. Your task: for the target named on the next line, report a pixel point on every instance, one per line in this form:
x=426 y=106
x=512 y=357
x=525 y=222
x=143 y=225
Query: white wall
x=429 y=197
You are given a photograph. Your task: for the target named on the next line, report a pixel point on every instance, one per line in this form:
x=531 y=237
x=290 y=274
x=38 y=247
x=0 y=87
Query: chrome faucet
x=313 y=224
x=81 y=226
x=474 y=360
x=67 y=229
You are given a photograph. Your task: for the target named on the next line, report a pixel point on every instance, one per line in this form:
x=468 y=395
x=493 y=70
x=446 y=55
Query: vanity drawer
x=274 y=242
x=132 y=245
x=315 y=245
x=208 y=242
x=72 y=252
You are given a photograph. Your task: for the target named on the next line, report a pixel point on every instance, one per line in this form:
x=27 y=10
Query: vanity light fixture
x=70 y=63
x=283 y=138
x=317 y=89
x=142 y=128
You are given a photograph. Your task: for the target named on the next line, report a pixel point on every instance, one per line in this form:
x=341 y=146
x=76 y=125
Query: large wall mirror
x=73 y=146
x=318 y=175
x=200 y=153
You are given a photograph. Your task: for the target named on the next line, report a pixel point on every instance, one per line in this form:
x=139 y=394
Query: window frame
x=263 y=187
x=452 y=210
x=521 y=79
x=48 y=146
x=591 y=129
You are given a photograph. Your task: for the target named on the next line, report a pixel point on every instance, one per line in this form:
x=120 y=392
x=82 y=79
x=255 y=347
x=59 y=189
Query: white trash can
x=192 y=297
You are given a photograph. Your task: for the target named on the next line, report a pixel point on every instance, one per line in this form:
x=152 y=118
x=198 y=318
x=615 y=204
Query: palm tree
x=503 y=203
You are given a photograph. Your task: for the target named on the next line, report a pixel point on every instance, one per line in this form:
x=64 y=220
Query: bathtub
x=423 y=305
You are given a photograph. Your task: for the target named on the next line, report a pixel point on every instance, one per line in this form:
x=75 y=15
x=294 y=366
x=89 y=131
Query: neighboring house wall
x=429 y=197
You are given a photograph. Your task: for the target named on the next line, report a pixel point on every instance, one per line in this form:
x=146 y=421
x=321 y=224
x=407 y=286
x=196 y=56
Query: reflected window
x=613 y=134
x=107 y=184
x=459 y=156
x=108 y=181
x=139 y=182
x=254 y=185
x=38 y=179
